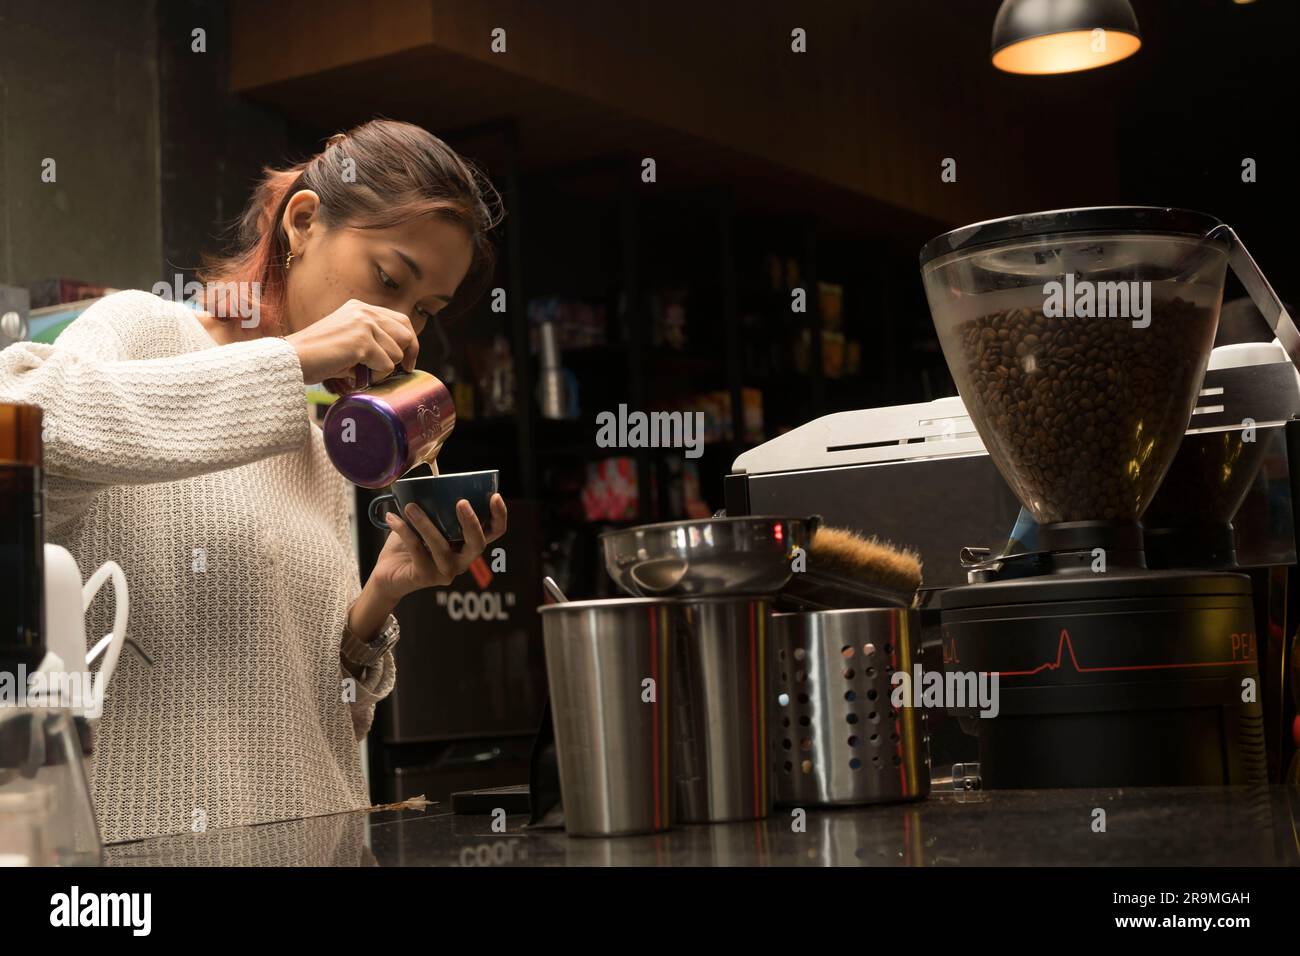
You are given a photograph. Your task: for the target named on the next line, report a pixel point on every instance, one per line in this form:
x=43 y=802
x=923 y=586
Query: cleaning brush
x=846 y=570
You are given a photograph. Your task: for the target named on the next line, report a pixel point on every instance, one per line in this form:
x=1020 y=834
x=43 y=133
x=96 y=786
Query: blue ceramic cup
x=437 y=495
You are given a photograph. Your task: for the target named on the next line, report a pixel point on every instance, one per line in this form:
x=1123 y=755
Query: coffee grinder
x=1078 y=340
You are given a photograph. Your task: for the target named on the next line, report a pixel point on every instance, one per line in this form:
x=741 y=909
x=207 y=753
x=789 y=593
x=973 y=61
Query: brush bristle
x=849 y=554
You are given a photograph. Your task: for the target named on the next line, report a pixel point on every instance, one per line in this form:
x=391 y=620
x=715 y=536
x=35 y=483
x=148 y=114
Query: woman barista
x=178 y=444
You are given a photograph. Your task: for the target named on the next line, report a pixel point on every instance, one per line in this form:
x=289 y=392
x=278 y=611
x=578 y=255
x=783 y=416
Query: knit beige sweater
x=197 y=469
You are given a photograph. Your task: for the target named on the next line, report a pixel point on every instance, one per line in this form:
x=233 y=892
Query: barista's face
x=413 y=268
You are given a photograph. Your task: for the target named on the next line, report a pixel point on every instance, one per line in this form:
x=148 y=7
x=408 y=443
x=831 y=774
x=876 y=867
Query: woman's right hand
x=356 y=333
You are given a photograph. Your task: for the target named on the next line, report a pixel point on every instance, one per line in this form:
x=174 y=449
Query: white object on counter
x=66 y=601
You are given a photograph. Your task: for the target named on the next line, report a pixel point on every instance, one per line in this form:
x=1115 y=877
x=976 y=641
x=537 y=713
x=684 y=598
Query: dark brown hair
x=399 y=172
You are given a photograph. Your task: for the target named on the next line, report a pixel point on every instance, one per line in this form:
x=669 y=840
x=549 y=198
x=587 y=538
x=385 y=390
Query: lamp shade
x=1063 y=36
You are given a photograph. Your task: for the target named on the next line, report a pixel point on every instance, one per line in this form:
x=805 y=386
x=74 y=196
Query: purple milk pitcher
x=378 y=433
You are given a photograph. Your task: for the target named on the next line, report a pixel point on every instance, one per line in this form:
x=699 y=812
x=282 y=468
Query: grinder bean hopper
x=1078 y=340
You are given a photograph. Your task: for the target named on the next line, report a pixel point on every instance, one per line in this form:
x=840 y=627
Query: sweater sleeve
x=375 y=682
x=373 y=685
x=114 y=418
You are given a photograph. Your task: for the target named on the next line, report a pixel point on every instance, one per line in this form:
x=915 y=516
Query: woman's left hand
x=422 y=558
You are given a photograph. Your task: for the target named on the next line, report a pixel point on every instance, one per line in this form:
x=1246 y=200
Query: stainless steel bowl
x=707 y=557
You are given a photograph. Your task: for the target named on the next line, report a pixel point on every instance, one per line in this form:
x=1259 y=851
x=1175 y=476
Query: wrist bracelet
x=368 y=653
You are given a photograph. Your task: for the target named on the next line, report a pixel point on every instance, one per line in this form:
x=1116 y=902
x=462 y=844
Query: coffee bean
x=1083 y=414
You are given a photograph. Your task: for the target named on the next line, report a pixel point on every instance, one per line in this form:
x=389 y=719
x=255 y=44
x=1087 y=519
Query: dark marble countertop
x=1143 y=827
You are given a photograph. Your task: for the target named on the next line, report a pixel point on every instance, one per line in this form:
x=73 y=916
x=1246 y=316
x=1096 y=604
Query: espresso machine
x=1080 y=341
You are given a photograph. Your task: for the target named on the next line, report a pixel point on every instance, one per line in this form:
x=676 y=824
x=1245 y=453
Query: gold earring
x=288 y=261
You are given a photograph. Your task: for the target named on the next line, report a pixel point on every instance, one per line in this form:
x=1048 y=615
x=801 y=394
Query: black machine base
x=1132 y=678
x=1192 y=546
